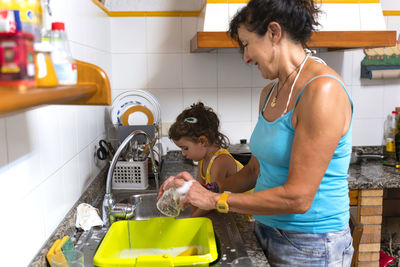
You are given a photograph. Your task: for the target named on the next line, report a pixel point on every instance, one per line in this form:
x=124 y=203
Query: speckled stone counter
x=368 y=175
x=173 y=164
x=373 y=175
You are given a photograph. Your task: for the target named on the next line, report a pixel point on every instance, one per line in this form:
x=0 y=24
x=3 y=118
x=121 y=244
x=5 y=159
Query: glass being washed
x=168 y=204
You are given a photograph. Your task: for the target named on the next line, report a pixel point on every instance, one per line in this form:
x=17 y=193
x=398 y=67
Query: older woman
x=301 y=144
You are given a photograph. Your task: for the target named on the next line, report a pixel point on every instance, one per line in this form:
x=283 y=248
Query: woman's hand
x=197 y=195
x=164 y=187
x=170 y=182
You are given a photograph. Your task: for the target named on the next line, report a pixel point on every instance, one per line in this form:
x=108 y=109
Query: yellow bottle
x=45 y=74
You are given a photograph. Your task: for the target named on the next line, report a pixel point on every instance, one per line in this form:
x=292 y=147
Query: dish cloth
x=87 y=217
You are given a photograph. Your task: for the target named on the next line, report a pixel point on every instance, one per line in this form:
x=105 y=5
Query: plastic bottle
x=389 y=135
x=45 y=73
x=63 y=62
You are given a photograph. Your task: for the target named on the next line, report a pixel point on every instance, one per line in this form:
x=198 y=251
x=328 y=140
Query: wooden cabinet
x=93 y=88
x=208 y=41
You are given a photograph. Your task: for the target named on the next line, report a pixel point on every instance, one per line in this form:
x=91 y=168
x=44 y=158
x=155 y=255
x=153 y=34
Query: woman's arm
x=322 y=117
x=243 y=180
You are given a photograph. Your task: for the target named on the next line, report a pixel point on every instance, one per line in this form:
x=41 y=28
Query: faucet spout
x=110 y=210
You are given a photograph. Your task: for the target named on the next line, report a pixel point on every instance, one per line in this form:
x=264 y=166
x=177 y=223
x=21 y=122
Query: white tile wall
x=390 y=5
x=206 y=95
x=234 y=104
x=3 y=144
x=171 y=102
x=199 y=70
x=372 y=94
x=43 y=148
x=128 y=35
x=129 y=71
x=46 y=153
x=25 y=234
x=232 y=72
x=255 y=103
x=391 y=96
x=55 y=205
x=367 y=132
x=164 y=35
x=393 y=24
x=164 y=71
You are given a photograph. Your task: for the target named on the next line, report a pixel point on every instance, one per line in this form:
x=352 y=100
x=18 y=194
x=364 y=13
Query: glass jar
x=45 y=73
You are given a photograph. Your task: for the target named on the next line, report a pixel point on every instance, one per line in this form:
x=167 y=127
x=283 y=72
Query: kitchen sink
x=146 y=206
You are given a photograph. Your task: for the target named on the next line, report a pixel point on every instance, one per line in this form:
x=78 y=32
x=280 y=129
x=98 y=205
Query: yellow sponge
x=63 y=240
x=189 y=252
x=55 y=248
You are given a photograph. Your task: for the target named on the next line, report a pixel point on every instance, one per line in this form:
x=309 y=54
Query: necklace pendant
x=273 y=102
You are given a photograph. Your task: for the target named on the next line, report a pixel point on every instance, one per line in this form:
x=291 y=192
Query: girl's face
x=191 y=150
x=258 y=50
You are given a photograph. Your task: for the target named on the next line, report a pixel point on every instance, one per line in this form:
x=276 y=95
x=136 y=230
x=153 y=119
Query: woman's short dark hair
x=298 y=18
x=196 y=121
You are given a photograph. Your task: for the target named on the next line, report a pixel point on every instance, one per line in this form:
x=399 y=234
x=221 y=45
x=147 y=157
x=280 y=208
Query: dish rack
x=130 y=175
x=135 y=110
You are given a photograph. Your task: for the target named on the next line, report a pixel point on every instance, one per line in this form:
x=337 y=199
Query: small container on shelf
x=389 y=136
x=64 y=64
x=45 y=73
x=17 y=67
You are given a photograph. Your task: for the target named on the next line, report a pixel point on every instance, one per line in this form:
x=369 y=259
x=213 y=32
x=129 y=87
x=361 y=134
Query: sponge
x=189 y=252
x=52 y=251
x=63 y=244
x=68 y=246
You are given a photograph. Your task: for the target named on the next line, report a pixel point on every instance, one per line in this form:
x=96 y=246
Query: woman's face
x=257 y=50
x=191 y=150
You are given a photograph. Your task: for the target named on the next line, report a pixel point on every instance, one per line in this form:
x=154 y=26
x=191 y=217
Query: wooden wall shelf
x=93 y=88
x=208 y=41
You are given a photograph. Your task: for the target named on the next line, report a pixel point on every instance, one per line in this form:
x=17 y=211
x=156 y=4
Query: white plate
x=132 y=98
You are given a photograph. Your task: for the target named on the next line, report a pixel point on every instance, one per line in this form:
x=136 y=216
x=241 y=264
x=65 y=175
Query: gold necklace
x=273 y=102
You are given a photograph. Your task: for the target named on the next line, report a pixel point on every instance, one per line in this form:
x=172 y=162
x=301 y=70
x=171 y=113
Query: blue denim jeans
x=290 y=248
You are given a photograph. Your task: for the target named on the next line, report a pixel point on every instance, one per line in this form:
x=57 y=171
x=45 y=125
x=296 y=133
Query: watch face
x=222 y=208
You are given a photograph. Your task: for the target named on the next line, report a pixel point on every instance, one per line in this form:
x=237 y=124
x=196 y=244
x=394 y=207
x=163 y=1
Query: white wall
x=154 y=54
x=46 y=153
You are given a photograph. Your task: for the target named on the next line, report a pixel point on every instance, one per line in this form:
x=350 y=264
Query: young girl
x=196 y=132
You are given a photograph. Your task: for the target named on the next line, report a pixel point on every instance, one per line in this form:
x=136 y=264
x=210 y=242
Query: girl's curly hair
x=196 y=121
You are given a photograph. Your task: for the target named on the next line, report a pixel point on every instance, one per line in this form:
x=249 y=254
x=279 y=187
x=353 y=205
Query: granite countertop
x=366 y=175
x=373 y=175
x=88 y=241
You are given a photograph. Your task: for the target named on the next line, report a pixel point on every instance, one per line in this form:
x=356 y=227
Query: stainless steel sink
x=146 y=206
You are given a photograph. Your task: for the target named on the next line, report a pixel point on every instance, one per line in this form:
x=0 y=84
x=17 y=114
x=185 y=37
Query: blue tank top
x=271 y=144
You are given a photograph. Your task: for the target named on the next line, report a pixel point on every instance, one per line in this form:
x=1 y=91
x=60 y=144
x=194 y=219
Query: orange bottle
x=45 y=73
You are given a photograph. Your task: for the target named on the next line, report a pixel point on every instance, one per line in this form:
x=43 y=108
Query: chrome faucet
x=110 y=210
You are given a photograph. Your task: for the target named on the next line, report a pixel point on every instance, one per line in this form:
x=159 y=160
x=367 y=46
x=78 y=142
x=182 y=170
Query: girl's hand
x=197 y=195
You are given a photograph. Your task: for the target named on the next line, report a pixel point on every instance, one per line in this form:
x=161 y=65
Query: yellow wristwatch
x=222 y=206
